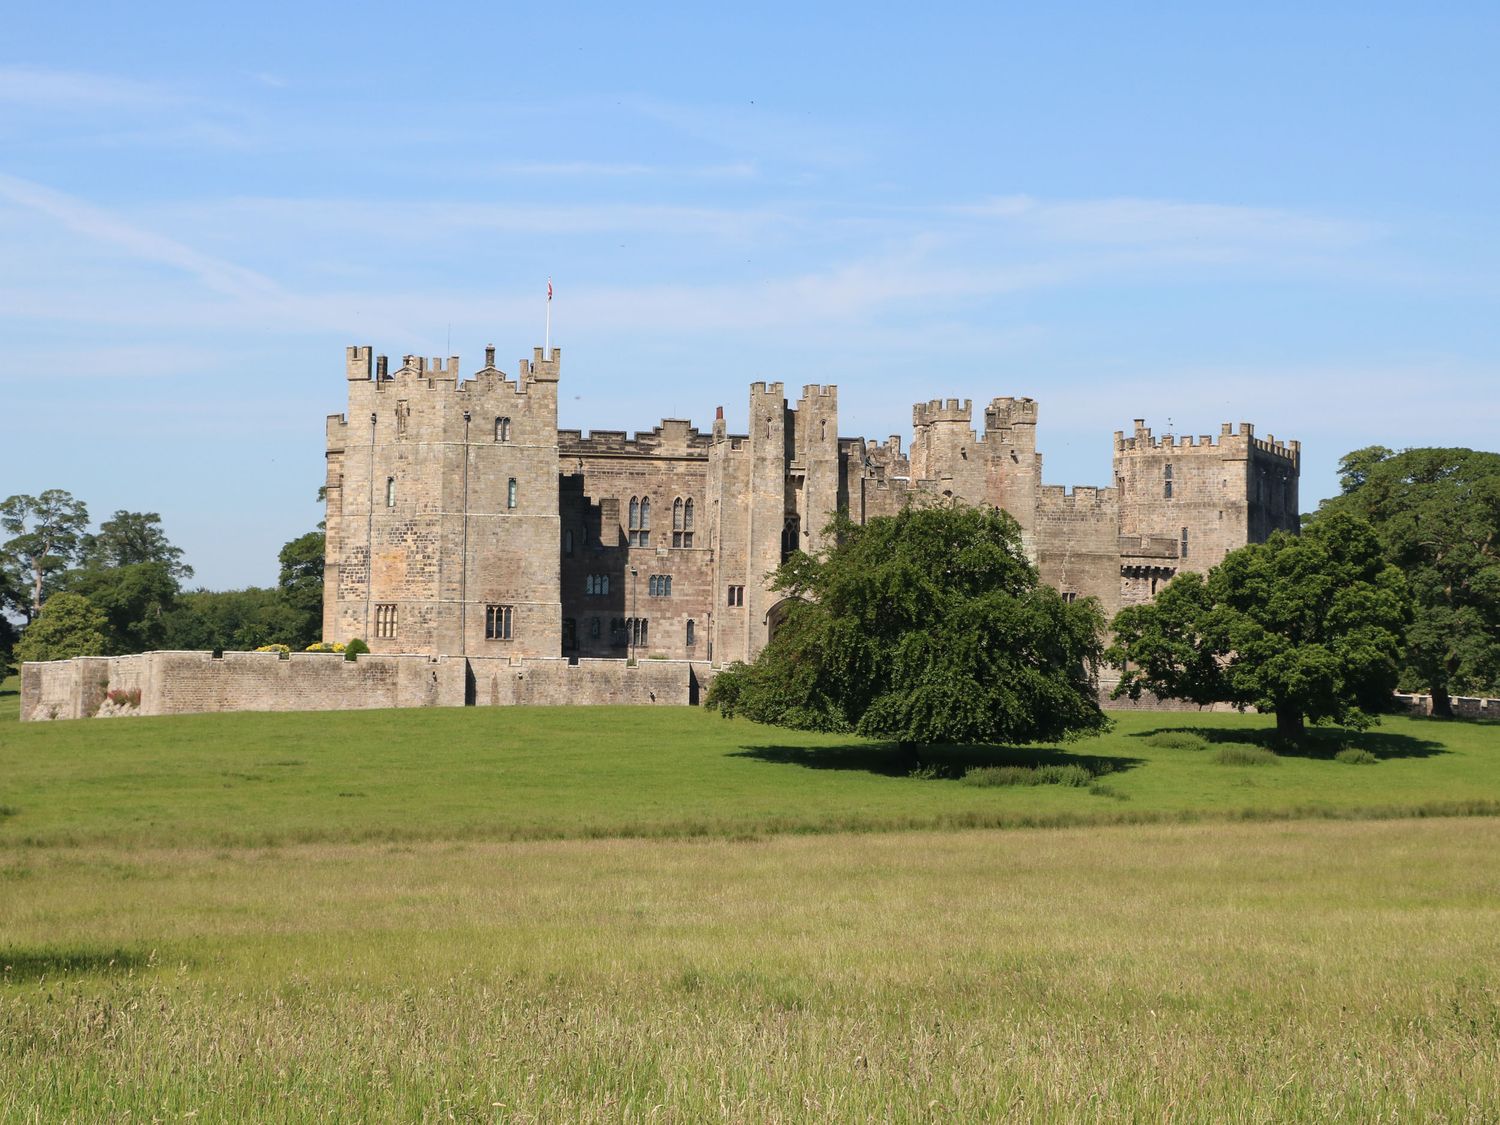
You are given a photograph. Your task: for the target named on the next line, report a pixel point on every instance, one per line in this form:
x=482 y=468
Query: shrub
x=1176 y=740
x=121 y=697
x=355 y=648
x=1354 y=756
x=990 y=776
x=324 y=646
x=1242 y=754
x=284 y=650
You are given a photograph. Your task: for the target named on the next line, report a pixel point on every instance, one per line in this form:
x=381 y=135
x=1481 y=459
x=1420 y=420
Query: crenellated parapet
x=943 y=410
x=674 y=437
x=1229 y=440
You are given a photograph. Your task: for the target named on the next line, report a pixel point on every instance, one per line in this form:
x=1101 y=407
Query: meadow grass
x=1307 y=970
x=537 y=773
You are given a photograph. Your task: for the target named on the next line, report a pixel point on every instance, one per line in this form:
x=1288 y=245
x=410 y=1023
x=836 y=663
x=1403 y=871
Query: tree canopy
x=301 y=584
x=129 y=538
x=69 y=625
x=1436 y=513
x=1307 y=627
x=926 y=627
x=46 y=531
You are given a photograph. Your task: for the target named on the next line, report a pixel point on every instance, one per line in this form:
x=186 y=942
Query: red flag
x=549 y=289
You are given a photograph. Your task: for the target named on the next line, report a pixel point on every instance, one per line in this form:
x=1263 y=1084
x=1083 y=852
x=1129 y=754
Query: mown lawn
x=523 y=773
x=1308 y=970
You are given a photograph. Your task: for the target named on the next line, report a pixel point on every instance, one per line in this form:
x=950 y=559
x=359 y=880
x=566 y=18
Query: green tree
x=136 y=599
x=301 y=585
x=68 y=625
x=1437 y=515
x=1307 y=627
x=128 y=538
x=925 y=627
x=237 y=620
x=45 y=531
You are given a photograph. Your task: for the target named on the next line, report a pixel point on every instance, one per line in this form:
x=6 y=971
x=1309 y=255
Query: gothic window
x=568 y=542
x=682 y=522
x=617 y=634
x=1069 y=596
x=390 y=492
x=640 y=521
x=594 y=629
x=691 y=631
x=637 y=631
x=1166 y=485
x=502 y=429
x=385 y=620
x=497 y=622
x=596 y=585
x=791 y=537
x=510 y=493
x=1182 y=554
x=659 y=586
x=736 y=595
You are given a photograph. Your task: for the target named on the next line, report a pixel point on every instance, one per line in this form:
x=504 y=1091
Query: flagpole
x=547 y=340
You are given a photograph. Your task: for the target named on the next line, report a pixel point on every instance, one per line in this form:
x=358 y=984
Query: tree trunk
x=1289 y=725
x=1442 y=703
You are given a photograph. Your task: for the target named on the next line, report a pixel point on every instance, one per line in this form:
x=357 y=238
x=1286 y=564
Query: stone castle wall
x=187 y=683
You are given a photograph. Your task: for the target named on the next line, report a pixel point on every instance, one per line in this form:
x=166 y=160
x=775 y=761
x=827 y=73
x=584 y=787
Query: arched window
x=791 y=537
x=390 y=492
x=502 y=429
x=1166 y=483
x=1182 y=554
x=510 y=493
x=682 y=522
x=823 y=430
x=640 y=521
x=691 y=631
x=568 y=542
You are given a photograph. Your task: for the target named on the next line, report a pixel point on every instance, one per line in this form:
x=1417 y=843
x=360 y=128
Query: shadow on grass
x=1318 y=742
x=936 y=762
x=19 y=964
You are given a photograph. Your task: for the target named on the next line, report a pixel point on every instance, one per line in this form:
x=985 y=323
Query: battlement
x=1143 y=441
x=540 y=368
x=942 y=410
x=771 y=390
x=817 y=390
x=1006 y=412
x=357 y=362
x=1058 y=497
x=675 y=436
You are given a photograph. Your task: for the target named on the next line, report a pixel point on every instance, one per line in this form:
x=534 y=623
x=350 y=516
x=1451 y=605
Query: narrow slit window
x=1166 y=484
x=502 y=429
x=510 y=493
x=390 y=492
x=691 y=633
x=1183 y=553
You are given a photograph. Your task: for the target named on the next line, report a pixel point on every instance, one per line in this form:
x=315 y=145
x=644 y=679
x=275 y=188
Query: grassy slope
x=1248 y=972
x=526 y=773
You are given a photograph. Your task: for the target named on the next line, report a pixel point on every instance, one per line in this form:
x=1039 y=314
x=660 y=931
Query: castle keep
x=462 y=522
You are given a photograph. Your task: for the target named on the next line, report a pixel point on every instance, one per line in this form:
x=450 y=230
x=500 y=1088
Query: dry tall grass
x=1241 y=972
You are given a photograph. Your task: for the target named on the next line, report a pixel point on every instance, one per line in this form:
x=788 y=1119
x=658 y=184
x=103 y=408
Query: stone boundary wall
x=187 y=683
x=1464 y=706
x=1149 y=702
x=182 y=683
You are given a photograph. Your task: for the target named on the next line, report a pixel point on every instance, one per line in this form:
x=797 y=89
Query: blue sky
x=1279 y=213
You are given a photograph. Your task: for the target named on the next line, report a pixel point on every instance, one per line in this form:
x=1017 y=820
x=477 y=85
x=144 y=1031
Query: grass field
x=195 y=919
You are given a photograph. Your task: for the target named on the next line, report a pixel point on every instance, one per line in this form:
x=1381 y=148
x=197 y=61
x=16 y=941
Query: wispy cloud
x=585 y=169
x=101 y=226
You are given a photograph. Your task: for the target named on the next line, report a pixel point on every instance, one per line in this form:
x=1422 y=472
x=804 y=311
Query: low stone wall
x=179 y=683
x=185 y=683
x=1464 y=706
x=559 y=682
x=1149 y=702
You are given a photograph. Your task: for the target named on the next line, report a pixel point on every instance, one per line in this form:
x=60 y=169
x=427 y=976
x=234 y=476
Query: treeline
x=68 y=591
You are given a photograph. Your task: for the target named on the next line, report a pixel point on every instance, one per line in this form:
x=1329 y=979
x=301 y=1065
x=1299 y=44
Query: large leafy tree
x=1307 y=627
x=45 y=535
x=301 y=585
x=135 y=598
x=129 y=538
x=925 y=627
x=237 y=620
x=69 y=625
x=1437 y=515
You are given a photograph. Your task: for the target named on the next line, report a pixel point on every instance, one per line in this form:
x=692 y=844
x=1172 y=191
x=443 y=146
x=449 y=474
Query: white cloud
x=44 y=87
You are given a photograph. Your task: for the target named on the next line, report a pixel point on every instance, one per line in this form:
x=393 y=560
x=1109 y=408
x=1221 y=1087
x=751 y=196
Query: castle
x=461 y=521
x=489 y=558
